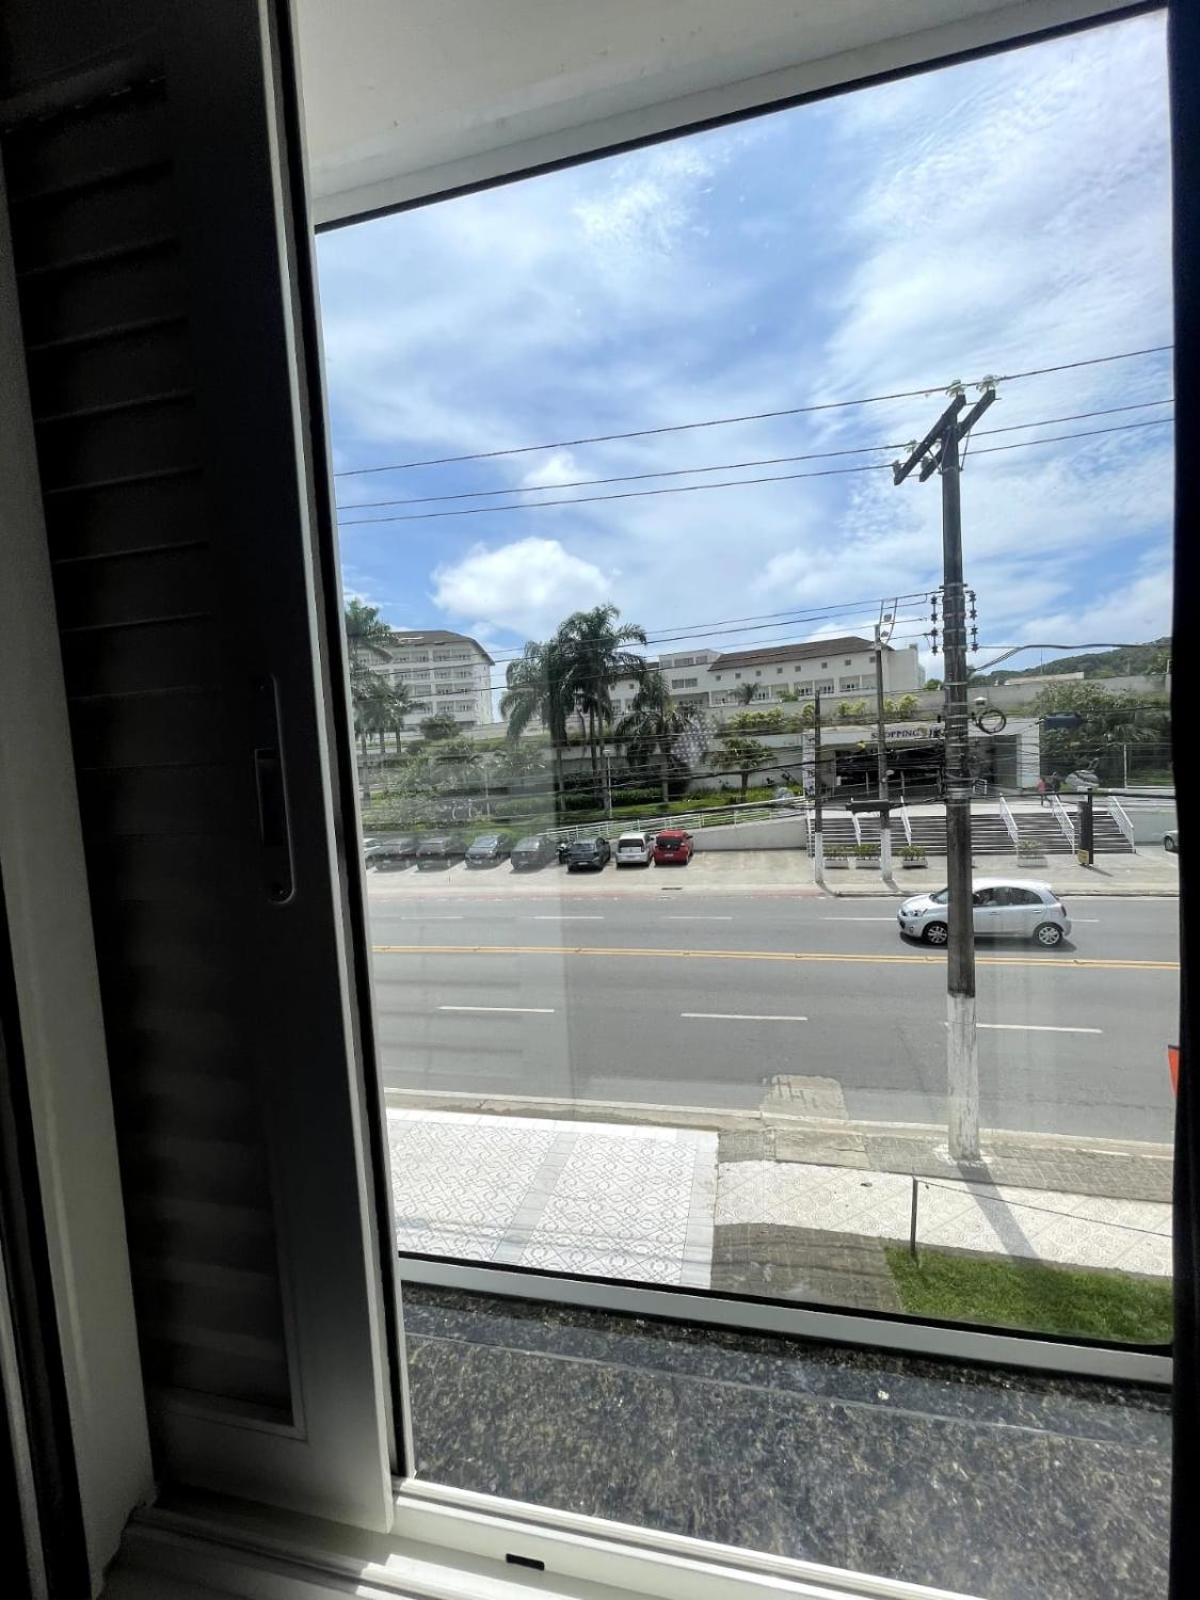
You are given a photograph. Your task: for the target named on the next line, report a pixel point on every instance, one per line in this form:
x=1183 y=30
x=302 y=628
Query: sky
x=988 y=218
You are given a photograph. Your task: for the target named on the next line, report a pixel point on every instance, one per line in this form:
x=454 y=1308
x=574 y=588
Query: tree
x=744 y=693
x=367 y=638
x=596 y=652
x=521 y=760
x=650 y=729
x=852 y=710
x=1108 y=721
x=539 y=691
x=439 y=726
x=933 y=683
x=741 y=755
x=789 y=694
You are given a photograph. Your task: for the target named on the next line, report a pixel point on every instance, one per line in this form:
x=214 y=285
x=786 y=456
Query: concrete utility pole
x=818 y=840
x=962 y=1054
x=883 y=632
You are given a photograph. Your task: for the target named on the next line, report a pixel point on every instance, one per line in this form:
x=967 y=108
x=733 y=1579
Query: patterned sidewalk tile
x=602 y=1200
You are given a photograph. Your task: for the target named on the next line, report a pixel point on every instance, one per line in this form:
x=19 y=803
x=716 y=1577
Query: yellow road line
x=900 y=959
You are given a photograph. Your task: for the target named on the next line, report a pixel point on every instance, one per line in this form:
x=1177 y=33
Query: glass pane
x=642 y=415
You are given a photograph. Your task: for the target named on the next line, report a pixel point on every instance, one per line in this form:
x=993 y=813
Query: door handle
x=274 y=827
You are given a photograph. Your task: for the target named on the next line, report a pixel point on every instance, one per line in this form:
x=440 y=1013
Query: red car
x=673 y=847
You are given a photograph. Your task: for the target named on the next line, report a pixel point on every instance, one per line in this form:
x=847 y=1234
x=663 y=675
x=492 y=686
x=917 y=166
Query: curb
x=1112 y=1168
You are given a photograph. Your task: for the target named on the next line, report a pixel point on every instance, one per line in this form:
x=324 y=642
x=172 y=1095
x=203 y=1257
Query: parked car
x=489 y=849
x=531 y=852
x=1081 y=781
x=386 y=855
x=589 y=855
x=673 y=847
x=1171 y=841
x=635 y=850
x=440 y=850
x=1003 y=908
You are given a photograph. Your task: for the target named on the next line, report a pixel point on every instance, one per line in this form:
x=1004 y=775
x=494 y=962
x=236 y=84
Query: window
x=573 y=990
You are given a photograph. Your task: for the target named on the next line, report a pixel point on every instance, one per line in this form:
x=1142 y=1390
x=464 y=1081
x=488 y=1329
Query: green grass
x=1030 y=1295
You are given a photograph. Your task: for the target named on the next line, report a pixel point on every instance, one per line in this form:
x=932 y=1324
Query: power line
x=627 y=494
x=730 y=466
x=754 y=416
x=1060 y=438
x=735 y=483
x=709 y=630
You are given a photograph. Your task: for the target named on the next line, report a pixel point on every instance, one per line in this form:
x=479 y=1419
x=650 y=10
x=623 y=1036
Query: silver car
x=1003 y=908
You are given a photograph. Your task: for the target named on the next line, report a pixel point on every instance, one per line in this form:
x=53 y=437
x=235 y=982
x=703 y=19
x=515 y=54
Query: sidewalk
x=776 y=872
x=798 y=1206
x=1146 y=872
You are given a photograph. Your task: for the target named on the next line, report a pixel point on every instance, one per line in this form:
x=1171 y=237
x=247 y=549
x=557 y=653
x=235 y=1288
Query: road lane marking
x=694 y=916
x=1030 y=1027
x=568 y=916
x=533 y=1011
x=737 y=1016
x=858 y=919
x=1077 y=963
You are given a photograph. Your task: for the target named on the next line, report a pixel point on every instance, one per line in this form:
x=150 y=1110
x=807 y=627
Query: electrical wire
x=754 y=416
x=733 y=466
x=736 y=483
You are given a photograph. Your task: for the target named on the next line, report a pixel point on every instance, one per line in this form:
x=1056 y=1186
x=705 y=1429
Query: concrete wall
x=1151 y=822
x=785 y=833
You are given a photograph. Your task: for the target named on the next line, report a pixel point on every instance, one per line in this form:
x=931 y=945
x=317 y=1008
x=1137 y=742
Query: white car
x=634 y=850
x=1004 y=908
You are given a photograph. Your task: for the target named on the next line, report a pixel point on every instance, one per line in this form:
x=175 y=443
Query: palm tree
x=538 y=691
x=744 y=693
x=597 y=653
x=652 y=726
x=367 y=636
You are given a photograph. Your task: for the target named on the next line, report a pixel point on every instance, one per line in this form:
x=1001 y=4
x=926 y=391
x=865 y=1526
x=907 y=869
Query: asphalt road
x=701 y=1000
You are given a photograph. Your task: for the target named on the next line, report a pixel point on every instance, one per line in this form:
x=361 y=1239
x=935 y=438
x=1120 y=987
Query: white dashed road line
x=1029 y=1027
x=736 y=1016
x=532 y=1011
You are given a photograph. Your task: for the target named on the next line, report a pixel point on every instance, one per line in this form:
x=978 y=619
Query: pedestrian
x=1041 y=789
x=1055 y=783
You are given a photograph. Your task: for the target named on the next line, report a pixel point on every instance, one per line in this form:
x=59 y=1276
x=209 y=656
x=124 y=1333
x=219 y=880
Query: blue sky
x=991 y=217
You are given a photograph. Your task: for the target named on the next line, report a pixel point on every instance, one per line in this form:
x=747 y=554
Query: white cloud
x=528 y=585
x=1002 y=214
x=555 y=470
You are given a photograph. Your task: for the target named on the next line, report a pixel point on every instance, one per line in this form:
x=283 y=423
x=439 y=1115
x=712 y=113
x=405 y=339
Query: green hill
x=1127 y=661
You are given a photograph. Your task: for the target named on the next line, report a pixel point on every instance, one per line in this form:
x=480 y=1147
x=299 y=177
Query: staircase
x=989 y=836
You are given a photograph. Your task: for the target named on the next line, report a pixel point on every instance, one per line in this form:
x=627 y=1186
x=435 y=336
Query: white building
x=835 y=667
x=448 y=674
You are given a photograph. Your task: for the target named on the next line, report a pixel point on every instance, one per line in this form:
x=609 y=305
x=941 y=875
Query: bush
x=911 y=852
x=867 y=852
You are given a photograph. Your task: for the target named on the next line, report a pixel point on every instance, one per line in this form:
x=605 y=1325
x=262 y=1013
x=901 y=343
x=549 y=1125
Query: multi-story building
x=445 y=673
x=833 y=667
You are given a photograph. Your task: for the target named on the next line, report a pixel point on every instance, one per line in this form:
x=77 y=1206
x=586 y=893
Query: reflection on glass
x=643 y=631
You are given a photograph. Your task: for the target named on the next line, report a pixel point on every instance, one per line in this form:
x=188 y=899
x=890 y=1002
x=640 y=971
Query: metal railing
x=1010 y=822
x=905 y=821
x=1122 y=819
x=857 y=826
x=1065 y=821
x=693 y=821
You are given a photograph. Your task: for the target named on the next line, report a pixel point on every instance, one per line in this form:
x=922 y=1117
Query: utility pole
x=883 y=632
x=962 y=1053
x=818 y=839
